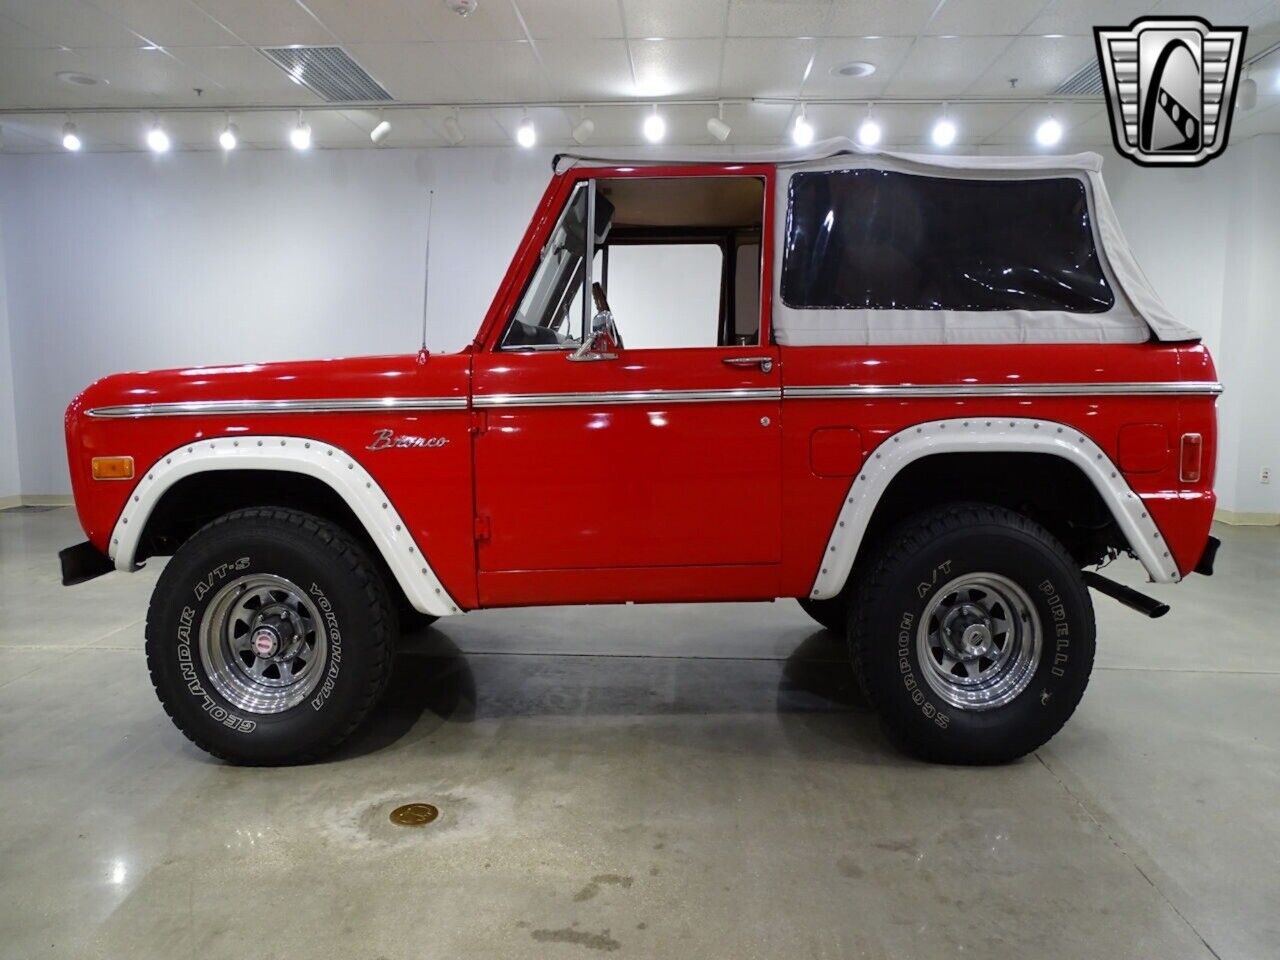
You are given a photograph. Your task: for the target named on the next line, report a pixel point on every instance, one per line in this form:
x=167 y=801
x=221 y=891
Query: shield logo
x=1171 y=88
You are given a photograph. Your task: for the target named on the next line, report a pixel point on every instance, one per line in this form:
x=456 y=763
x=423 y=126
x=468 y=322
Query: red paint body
x=653 y=501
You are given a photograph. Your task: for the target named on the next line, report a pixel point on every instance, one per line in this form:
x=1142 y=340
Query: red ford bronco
x=921 y=395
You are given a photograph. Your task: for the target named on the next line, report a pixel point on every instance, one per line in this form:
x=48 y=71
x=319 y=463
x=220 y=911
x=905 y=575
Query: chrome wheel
x=263 y=644
x=979 y=641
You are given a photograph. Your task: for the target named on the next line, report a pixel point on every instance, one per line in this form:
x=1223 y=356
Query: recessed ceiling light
x=854 y=69
x=79 y=79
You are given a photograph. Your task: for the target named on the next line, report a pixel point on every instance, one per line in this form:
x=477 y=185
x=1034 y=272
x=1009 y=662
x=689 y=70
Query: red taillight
x=1190 y=457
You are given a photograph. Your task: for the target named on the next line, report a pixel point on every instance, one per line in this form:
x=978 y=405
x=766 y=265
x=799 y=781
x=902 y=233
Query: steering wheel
x=602 y=306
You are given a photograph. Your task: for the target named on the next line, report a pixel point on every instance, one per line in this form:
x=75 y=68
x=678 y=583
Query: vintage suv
x=919 y=394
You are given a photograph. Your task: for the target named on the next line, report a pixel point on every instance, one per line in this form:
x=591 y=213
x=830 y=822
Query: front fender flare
x=987 y=435
x=329 y=464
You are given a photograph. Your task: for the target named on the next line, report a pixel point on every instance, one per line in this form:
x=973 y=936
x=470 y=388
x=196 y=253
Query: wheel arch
x=283 y=471
x=941 y=460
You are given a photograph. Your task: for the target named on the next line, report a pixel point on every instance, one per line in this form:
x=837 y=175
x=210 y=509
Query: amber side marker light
x=1190 y=456
x=112 y=468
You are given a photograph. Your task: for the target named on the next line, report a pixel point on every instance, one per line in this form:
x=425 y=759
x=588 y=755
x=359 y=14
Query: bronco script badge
x=389 y=439
x=1171 y=88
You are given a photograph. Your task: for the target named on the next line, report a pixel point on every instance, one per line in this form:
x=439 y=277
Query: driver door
x=642 y=473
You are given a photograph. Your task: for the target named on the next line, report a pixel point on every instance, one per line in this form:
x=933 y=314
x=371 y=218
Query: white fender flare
x=987 y=435
x=331 y=465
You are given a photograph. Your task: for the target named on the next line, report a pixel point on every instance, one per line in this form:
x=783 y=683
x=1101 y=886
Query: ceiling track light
x=70 y=139
x=1049 y=132
x=453 y=129
x=716 y=125
x=381 y=131
x=802 y=131
x=585 y=128
x=157 y=139
x=300 y=135
x=229 y=138
x=655 y=127
x=869 y=132
x=526 y=133
x=944 y=131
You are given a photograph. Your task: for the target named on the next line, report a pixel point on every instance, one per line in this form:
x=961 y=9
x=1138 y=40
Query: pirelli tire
x=972 y=633
x=269 y=637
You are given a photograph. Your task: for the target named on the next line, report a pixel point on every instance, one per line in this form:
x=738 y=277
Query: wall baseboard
x=1247 y=519
x=37 y=500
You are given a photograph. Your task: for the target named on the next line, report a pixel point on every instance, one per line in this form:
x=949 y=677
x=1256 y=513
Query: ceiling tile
x=243 y=76
x=778 y=18
x=989 y=17
x=1221 y=13
x=587 y=69
x=885 y=53
x=767 y=67
x=1079 y=17
x=69 y=23
x=388 y=21
x=491 y=21
x=880 y=18
x=167 y=22
x=420 y=72
x=268 y=22
x=1039 y=64
x=944 y=66
x=673 y=68
x=571 y=19
x=14 y=34
x=675 y=18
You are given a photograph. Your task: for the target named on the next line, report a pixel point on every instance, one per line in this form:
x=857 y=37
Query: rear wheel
x=973 y=633
x=269 y=636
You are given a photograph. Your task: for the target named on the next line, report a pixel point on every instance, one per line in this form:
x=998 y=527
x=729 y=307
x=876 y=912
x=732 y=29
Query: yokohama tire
x=345 y=615
x=901 y=604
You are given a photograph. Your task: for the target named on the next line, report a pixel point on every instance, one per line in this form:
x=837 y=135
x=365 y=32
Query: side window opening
x=678 y=259
x=869 y=239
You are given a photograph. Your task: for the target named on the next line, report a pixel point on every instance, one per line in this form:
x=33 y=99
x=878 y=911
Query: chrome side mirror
x=602 y=341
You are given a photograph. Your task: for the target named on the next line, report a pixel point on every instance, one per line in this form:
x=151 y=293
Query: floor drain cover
x=414 y=814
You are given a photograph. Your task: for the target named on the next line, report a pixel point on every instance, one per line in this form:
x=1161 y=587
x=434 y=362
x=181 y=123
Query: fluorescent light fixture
x=71 y=139
x=655 y=128
x=300 y=135
x=157 y=139
x=802 y=132
x=717 y=127
x=1049 y=132
x=453 y=129
x=526 y=133
x=380 y=132
x=944 y=132
x=229 y=138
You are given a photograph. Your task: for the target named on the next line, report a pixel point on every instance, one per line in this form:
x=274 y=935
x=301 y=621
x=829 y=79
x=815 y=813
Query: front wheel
x=269 y=636
x=973 y=633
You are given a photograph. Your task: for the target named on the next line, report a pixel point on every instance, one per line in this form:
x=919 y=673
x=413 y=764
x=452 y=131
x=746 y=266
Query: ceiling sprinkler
x=463 y=8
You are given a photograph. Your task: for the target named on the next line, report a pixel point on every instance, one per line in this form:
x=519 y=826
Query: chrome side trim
x=215 y=407
x=617 y=397
x=926 y=390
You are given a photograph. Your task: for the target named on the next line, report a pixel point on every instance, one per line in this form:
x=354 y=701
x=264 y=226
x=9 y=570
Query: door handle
x=765 y=363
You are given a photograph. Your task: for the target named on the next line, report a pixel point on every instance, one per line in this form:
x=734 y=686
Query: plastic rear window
x=882 y=240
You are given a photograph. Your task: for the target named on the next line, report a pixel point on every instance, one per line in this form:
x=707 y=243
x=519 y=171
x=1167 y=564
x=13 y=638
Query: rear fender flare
x=329 y=464
x=987 y=435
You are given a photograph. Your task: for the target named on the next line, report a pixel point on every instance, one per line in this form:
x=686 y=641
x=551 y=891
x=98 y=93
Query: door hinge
x=479 y=422
x=483 y=528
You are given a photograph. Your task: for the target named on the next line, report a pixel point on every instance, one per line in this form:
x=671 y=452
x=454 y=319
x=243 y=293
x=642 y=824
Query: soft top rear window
x=882 y=240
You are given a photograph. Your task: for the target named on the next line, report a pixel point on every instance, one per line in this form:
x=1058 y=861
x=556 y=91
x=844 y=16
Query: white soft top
x=1137 y=315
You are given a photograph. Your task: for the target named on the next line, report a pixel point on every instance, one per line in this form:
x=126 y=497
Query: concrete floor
x=645 y=781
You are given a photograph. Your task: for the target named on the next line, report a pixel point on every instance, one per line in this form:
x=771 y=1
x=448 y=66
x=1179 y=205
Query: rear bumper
x=83 y=562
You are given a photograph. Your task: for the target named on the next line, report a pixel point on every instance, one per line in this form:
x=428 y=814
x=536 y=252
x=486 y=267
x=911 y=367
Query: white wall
x=131 y=261
x=9 y=480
